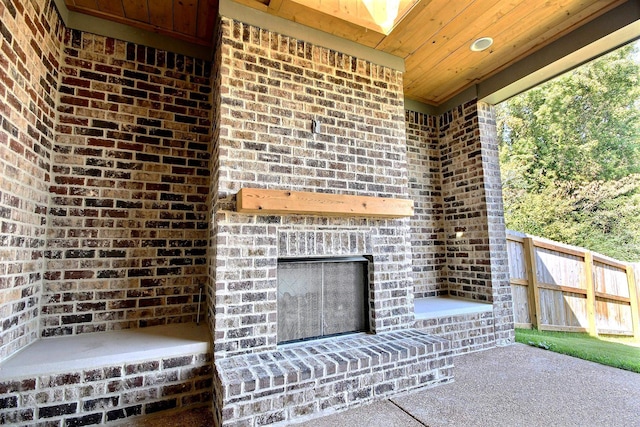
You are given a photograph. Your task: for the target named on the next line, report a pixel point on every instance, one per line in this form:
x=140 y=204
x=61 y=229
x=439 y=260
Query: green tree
x=570 y=157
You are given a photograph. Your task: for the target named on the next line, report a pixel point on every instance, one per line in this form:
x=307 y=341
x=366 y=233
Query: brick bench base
x=307 y=379
x=467 y=324
x=106 y=376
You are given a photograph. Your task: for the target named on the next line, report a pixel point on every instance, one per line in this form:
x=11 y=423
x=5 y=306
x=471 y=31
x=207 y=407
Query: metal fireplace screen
x=319 y=297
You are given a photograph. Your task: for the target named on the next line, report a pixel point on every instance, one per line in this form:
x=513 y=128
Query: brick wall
x=30 y=36
x=128 y=236
x=272 y=87
x=425 y=188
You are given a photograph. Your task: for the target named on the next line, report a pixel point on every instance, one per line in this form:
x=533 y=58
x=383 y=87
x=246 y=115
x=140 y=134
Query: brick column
x=499 y=267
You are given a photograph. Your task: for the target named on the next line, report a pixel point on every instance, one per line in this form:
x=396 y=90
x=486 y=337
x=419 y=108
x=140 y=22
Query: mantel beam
x=285 y=202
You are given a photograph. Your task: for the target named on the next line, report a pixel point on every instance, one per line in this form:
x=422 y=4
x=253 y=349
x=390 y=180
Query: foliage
x=622 y=354
x=570 y=157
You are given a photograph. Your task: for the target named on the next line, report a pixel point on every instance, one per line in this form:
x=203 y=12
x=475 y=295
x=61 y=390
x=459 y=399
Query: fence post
x=633 y=299
x=591 y=293
x=532 y=279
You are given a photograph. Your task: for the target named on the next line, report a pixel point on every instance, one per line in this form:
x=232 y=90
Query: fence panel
x=613 y=308
x=562 y=290
x=562 y=269
x=558 y=287
x=517 y=265
x=561 y=310
x=519 y=288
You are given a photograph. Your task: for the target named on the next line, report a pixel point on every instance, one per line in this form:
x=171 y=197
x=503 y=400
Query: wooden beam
x=523 y=325
x=562 y=328
x=519 y=282
x=515 y=238
x=532 y=276
x=635 y=303
x=565 y=289
x=591 y=294
x=610 y=262
x=284 y=202
x=558 y=248
x=274 y=6
x=610 y=297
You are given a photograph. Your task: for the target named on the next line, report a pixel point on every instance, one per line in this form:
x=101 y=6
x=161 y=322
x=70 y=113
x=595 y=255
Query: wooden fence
x=563 y=288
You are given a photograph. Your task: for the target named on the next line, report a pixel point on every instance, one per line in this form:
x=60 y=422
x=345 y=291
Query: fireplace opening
x=321 y=297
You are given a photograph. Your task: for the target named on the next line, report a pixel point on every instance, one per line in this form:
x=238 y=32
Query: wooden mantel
x=284 y=202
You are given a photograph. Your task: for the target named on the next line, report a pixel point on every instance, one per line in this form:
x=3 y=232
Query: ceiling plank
x=137 y=10
x=274 y=6
x=261 y=5
x=422 y=23
x=350 y=11
x=381 y=18
x=436 y=62
x=570 y=19
x=528 y=46
x=161 y=14
x=457 y=35
x=324 y=22
x=207 y=13
x=433 y=37
x=91 y=4
x=185 y=16
x=458 y=72
x=111 y=7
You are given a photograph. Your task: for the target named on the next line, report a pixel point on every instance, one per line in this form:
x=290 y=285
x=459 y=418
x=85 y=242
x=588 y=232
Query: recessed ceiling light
x=481 y=44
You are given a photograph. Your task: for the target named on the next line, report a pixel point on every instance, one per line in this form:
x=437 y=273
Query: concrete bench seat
x=469 y=325
x=305 y=379
x=428 y=308
x=99 y=377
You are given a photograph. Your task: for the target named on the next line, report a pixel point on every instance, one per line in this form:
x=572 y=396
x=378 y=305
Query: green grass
x=621 y=353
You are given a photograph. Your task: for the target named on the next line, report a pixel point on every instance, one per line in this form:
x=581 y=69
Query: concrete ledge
x=308 y=379
x=105 y=377
x=85 y=351
x=430 y=308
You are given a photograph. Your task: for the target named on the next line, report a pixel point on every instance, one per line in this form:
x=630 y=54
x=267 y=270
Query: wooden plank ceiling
x=433 y=37
x=189 y=20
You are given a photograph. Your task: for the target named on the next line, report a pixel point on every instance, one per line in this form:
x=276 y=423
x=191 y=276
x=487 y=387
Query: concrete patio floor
x=509 y=386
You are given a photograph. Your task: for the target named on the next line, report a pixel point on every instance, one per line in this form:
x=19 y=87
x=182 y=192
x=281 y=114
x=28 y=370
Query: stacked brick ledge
x=468 y=325
x=310 y=379
x=467 y=332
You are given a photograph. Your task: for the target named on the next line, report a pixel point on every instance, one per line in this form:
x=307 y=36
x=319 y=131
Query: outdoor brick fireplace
x=266 y=141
